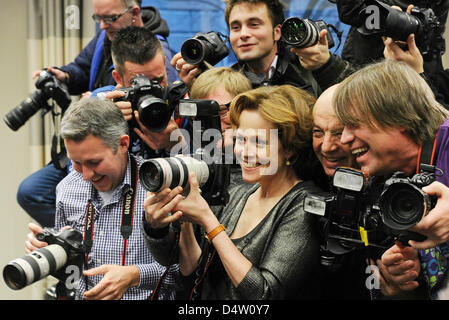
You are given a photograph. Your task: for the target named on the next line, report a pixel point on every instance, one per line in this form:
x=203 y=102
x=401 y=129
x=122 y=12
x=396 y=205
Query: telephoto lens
x=160 y=173
x=34 y=266
x=300 y=33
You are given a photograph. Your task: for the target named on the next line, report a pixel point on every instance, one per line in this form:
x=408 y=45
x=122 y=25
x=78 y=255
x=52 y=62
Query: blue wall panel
x=186 y=18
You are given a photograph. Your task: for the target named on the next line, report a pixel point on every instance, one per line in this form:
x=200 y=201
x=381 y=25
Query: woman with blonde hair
x=263 y=245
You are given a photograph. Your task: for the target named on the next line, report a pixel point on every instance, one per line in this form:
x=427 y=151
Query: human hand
x=314 y=57
x=435 y=225
x=32 y=243
x=194 y=208
x=159 y=207
x=186 y=72
x=116 y=281
x=399 y=267
x=412 y=56
x=125 y=106
x=59 y=74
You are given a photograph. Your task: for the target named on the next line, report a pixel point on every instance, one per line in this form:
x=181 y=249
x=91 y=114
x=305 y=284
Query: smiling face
x=97 y=163
x=326 y=136
x=108 y=8
x=381 y=151
x=251 y=33
x=258 y=149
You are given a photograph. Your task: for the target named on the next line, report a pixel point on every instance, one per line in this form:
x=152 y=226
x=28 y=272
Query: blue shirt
x=72 y=196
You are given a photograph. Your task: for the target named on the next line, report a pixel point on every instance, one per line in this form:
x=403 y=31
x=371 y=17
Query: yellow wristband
x=215 y=232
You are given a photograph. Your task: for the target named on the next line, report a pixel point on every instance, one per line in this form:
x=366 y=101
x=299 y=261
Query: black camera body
x=48 y=87
x=146 y=96
x=379 y=18
x=65 y=247
x=212 y=173
x=355 y=216
x=403 y=203
x=203 y=47
x=303 y=33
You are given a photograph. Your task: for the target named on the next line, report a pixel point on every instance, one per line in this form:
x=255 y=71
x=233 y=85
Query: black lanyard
x=127 y=216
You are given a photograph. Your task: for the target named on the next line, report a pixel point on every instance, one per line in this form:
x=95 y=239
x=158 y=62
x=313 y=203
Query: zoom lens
x=403 y=205
x=153 y=113
x=27 y=108
x=34 y=266
x=160 y=173
x=194 y=51
x=300 y=33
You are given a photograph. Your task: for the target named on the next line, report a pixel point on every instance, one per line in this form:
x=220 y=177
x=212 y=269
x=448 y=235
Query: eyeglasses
x=109 y=19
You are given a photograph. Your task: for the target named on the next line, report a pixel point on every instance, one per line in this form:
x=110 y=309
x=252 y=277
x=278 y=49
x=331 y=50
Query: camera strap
x=426 y=156
x=127 y=216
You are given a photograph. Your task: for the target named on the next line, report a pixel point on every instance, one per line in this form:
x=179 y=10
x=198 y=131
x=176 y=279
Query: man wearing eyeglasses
x=92 y=68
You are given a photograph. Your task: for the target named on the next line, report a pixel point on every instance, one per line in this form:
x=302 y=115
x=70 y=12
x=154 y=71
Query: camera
x=65 y=247
x=146 y=96
x=379 y=18
x=362 y=212
x=205 y=47
x=205 y=160
x=403 y=203
x=48 y=87
x=303 y=33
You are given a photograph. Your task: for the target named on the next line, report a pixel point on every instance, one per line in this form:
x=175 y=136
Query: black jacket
x=360 y=49
x=288 y=71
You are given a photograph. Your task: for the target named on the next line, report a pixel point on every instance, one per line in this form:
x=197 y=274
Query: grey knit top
x=283 y=249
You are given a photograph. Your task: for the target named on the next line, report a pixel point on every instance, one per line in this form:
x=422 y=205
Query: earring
x=287 y=162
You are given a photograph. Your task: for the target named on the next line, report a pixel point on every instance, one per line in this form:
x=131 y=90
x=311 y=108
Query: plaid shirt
x=72 y=196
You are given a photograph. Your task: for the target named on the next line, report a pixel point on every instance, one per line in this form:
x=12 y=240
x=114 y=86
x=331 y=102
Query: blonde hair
x=390 y=94
x=234 y=82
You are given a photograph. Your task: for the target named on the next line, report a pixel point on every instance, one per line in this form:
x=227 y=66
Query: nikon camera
x=64 y=248
x=146 y=96
x=48 y=87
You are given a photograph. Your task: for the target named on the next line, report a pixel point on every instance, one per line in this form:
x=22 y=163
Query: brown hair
x=275 y=9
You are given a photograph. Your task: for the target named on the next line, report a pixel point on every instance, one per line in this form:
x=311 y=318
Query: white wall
x=14 y=164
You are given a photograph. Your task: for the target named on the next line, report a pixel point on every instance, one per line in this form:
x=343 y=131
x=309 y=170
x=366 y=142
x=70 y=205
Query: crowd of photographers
x=147 y=208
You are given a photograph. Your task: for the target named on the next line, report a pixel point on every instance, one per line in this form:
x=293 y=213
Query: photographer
x=117 y=266
x=269 y=248
x=362 y=49
x=384 y=142
x=92 y=68
x=135 y=51
x=255 y=33
x=222 y=85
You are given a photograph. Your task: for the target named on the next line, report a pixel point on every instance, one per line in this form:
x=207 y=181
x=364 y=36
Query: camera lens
x=34 y=266
x=403 y=205
x=27 y=108
x=194 y=51
x=160 y=173
x=400 y=25
x=299 y=33
x=154 y=113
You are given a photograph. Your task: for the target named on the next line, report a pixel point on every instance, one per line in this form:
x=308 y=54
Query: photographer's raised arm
x=186 y=72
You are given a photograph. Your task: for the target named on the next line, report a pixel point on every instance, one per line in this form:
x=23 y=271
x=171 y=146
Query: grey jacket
x=283 y=250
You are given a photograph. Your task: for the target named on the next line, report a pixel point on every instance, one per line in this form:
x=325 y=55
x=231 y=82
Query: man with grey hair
x=91 y=69
x=102 y=187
